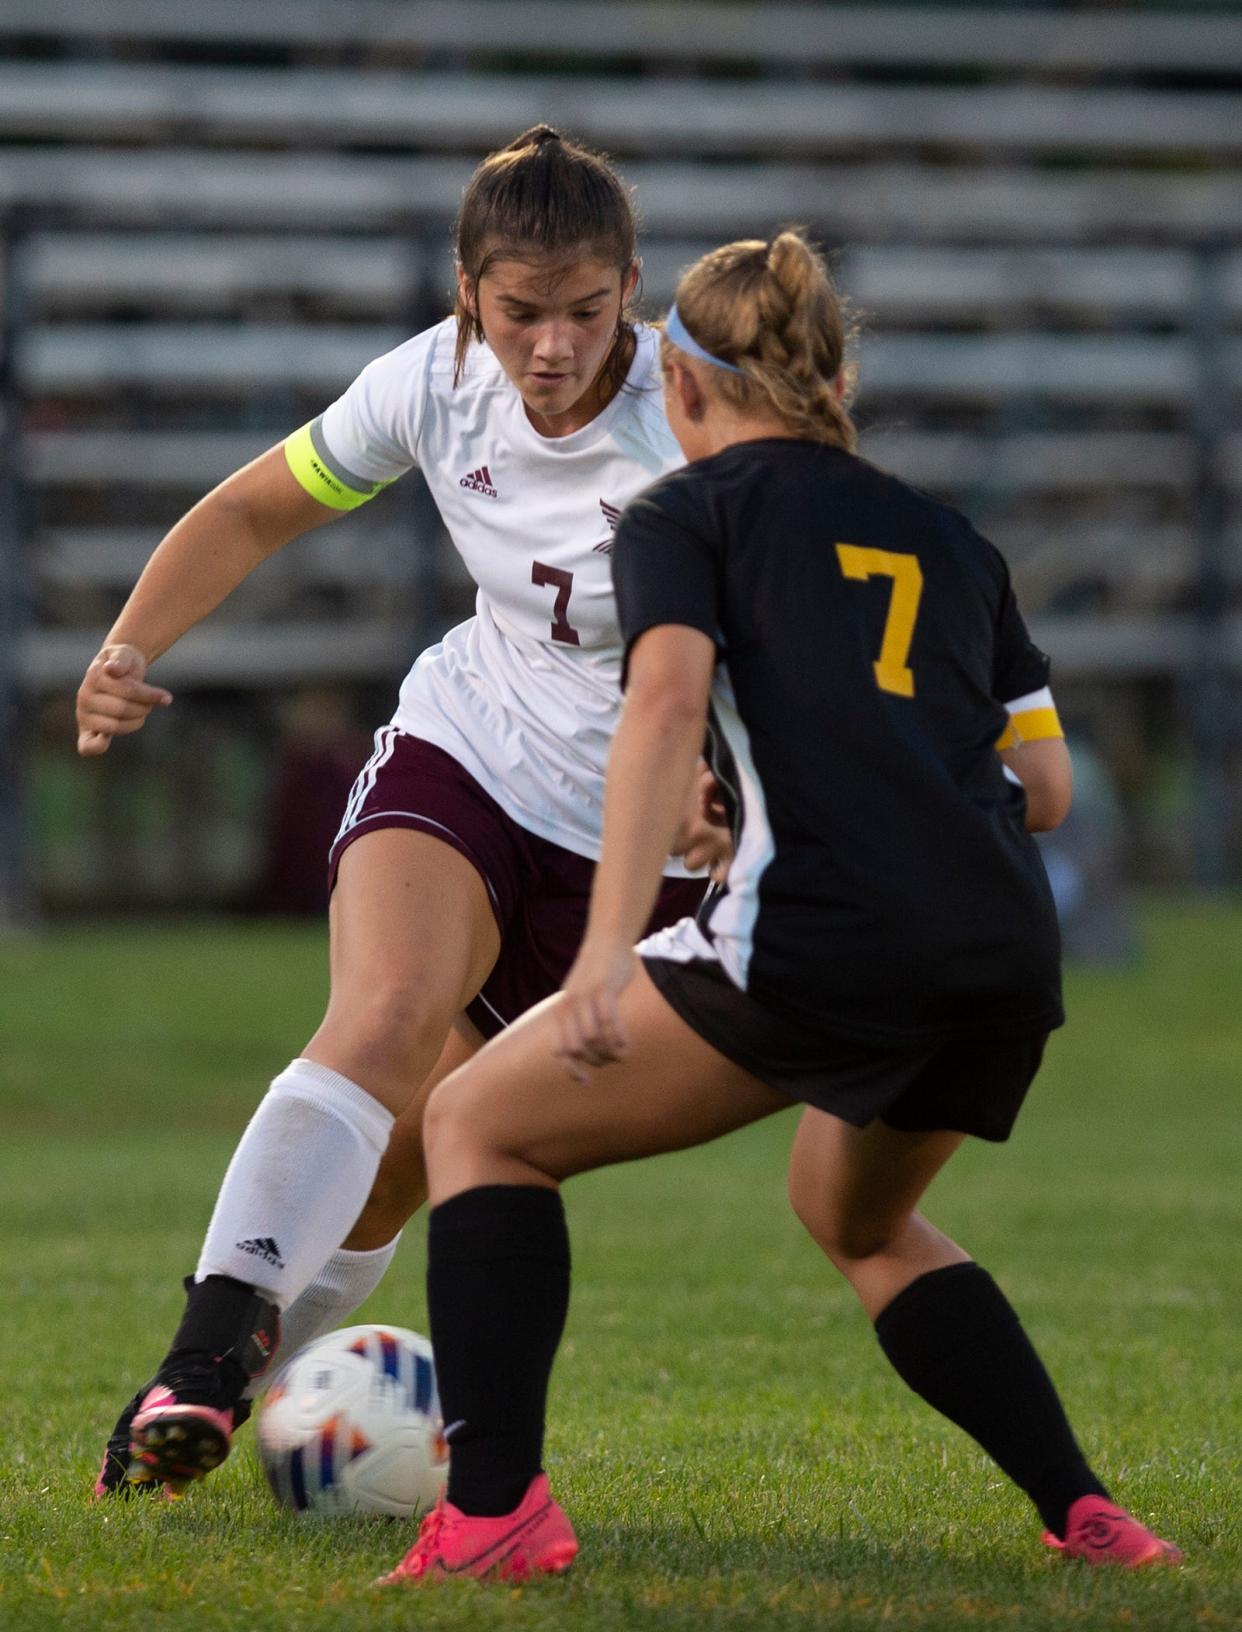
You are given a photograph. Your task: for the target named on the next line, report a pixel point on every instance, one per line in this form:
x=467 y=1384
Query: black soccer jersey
x=883 y=884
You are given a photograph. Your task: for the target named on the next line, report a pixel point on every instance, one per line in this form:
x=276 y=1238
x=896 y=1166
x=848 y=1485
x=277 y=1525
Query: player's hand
x=114 y=699
x=703 y=839
x=588 y=1020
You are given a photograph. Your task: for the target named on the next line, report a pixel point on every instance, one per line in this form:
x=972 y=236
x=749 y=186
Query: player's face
x=551 y=323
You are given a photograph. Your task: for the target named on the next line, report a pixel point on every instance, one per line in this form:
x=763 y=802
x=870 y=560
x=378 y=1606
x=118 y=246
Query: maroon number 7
x=562 y=629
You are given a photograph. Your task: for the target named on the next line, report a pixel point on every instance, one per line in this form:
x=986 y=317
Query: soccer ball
x=352 y=1425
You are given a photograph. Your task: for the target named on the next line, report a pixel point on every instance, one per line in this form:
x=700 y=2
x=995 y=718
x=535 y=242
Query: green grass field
x=724 y=1431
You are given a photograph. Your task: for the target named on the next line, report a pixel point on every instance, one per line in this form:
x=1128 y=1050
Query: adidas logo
x=612 y=516
x=480 y=481
x=262 y=1247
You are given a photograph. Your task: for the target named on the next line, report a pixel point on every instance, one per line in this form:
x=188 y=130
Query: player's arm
x=652 y=769
x=202 y=560
x=1033 y=750
x=1044 y=770
x=1032 y=745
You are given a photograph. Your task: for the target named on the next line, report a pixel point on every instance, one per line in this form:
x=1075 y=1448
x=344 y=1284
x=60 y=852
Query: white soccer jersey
x=526 y=693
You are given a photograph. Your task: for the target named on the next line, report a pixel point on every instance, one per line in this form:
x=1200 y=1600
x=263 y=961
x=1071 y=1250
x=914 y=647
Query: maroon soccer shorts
x=539 y=891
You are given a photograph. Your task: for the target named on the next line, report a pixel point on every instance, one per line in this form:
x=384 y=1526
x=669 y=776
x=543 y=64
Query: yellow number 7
x=891 y=672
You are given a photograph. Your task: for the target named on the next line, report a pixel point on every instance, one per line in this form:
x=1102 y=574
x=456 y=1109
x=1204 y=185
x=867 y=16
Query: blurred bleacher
x=213 y=216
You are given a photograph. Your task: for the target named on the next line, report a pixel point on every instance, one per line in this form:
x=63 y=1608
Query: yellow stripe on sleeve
x=312 y=473
x=1032 y=725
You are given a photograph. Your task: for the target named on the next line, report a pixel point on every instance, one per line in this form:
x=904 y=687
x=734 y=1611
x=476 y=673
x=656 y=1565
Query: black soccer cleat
x=114 y=1476
x=180 y=1425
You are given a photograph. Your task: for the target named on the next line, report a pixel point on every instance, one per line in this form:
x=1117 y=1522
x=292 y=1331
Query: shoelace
x=420 y=1555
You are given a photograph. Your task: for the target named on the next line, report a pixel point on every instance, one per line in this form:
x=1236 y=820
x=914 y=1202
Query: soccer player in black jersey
x=884 y=948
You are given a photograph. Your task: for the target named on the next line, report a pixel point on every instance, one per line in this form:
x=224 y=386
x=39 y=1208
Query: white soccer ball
x=352 y=1425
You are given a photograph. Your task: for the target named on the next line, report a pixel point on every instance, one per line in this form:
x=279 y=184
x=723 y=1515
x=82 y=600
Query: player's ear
x=630 y=280
x=467 y=292
x=687 y=389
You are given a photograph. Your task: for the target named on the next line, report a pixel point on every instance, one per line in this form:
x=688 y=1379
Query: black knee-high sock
x=497 y=1294
x=953 y=1337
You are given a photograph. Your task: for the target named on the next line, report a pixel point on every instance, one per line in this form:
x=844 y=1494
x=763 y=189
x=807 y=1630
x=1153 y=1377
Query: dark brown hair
x=545 y=194
x=772 y=310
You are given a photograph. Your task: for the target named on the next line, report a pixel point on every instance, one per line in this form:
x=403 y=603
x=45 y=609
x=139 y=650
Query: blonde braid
x=771 y=309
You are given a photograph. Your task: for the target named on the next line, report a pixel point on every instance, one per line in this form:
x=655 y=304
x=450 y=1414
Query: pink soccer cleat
x=535 y=1539
x=113 y=1479
x=176 y=1440
x=1099 y=1533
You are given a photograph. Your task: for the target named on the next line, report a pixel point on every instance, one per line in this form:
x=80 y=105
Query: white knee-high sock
x=345 y=1281
x=297 y=1181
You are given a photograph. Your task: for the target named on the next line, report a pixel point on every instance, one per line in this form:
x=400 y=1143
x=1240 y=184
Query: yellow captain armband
x=324 y=477
x=1031 y=719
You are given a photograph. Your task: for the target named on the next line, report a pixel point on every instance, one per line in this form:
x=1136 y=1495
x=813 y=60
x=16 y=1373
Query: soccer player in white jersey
x=463 y=865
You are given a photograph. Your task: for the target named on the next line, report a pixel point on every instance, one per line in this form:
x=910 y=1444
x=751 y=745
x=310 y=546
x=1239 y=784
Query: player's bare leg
x=515 y=1115
x=947 y=1328
x=413 y=938
x=856 y=1191
x=500 y=1136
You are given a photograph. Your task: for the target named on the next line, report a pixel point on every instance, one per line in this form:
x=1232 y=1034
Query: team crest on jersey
x=612 y=516
x=480 y=481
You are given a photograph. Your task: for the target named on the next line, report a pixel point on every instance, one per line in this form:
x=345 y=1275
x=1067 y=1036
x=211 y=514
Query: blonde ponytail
x=772 y=311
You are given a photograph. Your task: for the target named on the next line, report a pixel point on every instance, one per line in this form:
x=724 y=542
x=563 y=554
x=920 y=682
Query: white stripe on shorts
x=385 y=742
x=491 y=1008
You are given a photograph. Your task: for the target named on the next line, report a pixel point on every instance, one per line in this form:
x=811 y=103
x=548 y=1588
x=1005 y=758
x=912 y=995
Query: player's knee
x=444 y=1124
x=457 y=1122
x=845 y=1238
x=812 y=1207
x=857 y=1239
x=394 y=1030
